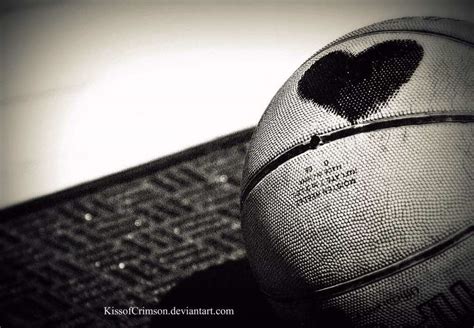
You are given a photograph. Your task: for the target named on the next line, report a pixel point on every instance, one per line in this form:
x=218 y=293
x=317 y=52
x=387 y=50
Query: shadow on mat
x=230 y=285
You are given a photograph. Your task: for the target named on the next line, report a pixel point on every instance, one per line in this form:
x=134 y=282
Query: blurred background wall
x=89 y=88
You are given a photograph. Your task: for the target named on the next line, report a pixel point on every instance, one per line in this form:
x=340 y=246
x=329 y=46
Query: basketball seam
x=323 y=139
x=349 y=37
x=380 y=274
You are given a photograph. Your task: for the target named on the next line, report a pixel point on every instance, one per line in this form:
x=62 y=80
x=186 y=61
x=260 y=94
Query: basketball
x=358 y=186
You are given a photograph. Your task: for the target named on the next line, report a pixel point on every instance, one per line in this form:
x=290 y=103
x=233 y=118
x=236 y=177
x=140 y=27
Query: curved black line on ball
x=382 y=273
x=319 y=140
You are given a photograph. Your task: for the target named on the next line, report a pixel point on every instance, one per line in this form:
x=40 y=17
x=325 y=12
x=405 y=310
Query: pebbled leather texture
x=366 y=226
x=441 y=83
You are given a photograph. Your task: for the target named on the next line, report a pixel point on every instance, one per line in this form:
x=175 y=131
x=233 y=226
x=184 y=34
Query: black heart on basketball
x=356 y=86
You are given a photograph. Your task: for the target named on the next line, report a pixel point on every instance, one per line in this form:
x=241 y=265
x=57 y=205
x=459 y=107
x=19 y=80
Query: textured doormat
x=127 y=240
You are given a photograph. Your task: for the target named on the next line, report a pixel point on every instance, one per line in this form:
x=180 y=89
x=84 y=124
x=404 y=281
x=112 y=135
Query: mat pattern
x=123 y=240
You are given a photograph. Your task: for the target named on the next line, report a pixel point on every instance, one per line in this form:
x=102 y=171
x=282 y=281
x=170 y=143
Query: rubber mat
x=124 y=240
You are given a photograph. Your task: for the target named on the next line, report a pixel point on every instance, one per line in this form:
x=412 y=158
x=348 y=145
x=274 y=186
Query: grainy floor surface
x=124 y=240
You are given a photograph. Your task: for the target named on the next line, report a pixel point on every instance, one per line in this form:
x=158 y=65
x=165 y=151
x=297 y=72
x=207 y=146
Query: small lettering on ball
x=318 y=182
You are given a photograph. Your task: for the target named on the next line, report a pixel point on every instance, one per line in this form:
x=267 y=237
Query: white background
x=92 y=88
